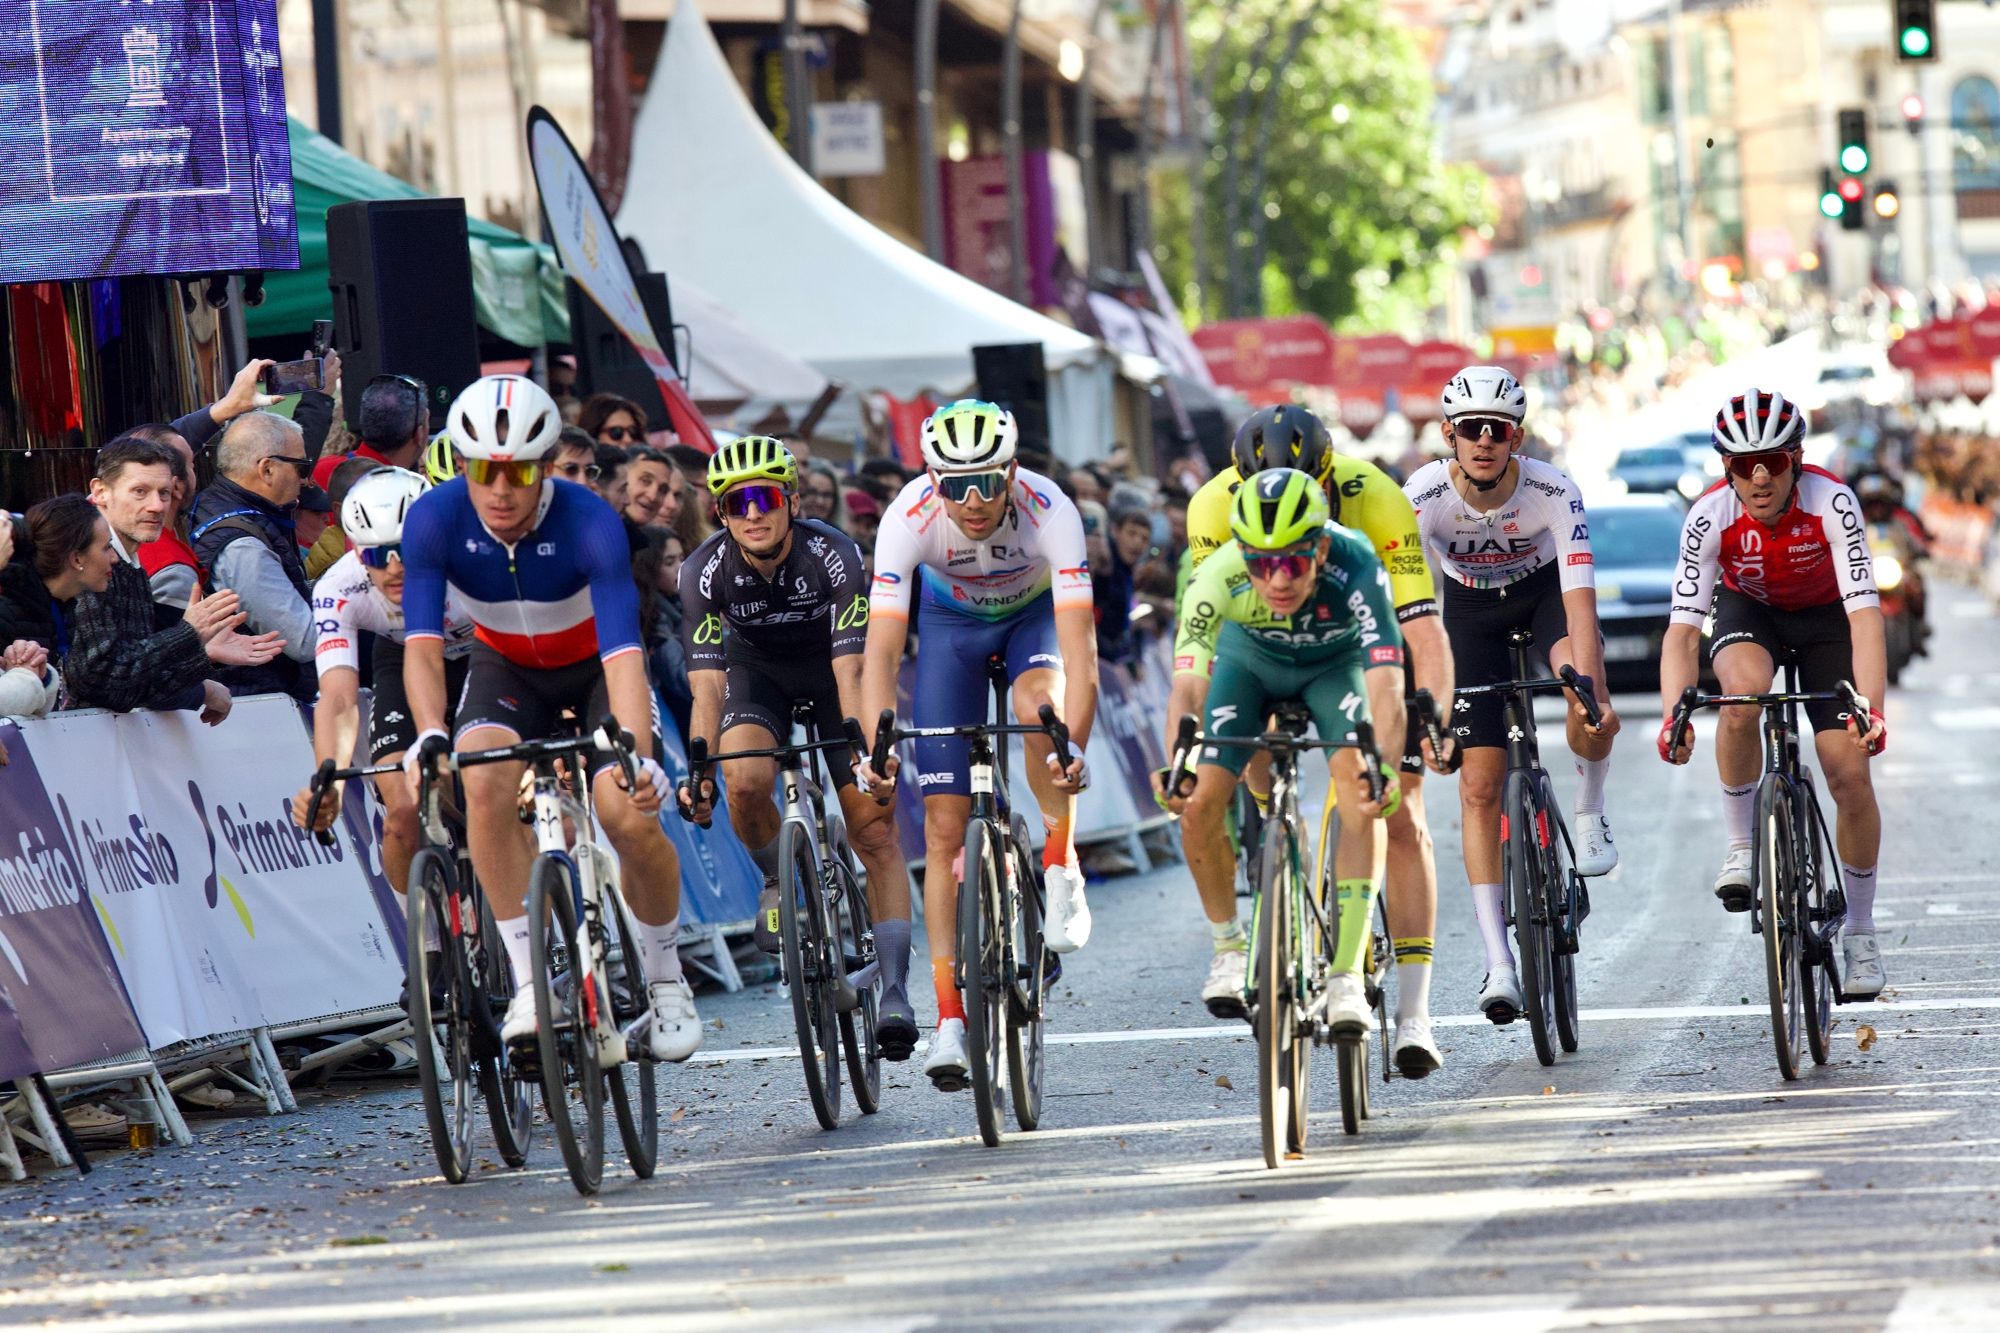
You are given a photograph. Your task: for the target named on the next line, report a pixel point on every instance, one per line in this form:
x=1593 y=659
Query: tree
x=1320 y=189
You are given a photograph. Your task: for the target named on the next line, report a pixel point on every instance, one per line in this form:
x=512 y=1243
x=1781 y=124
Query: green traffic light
x=1854 y=159
x=1829 y=204
x=1916 y=42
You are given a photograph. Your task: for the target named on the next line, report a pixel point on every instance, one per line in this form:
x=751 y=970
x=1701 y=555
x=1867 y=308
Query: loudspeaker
x=1014 y=376
x=401 y=275
x=606 y=361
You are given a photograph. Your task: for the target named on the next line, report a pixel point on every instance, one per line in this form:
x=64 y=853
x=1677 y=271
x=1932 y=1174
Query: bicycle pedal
x=951 y=1082
x=1228 y=1006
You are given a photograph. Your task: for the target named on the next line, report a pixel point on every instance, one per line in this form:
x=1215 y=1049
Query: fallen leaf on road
x=1549 y=1091
x=344 y=1242
x=1864 y=1037
x=614 y=1268
x=1222 y=1081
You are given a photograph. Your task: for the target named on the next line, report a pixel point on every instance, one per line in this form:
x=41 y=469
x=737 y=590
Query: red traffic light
x=1913 y=107
x=1851 y=189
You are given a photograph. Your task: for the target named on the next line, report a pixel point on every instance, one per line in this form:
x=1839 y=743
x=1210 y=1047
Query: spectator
x=171 y=569
x=652 y=483
x=66 y=551
x=1174 y=504
x=562 y=385
x=883 y=478
x=576 y=456
x=312 y=524
x=609 y=419
x=657 y=568
x=395 y=421
x=696 y=520
x=121 y=657
x=864 y=518
x=245 y=536
x=1130 y=546
x=610 y=481
x=1086 y=483
x=819 y=493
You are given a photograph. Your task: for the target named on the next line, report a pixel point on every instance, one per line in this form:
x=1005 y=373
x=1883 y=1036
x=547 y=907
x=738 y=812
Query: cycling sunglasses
x=958 y=487
x=1775 y=461
x=378 y=557
x=1294 y=564
x=768 y=499
x=1471 y=428
x=520 y=473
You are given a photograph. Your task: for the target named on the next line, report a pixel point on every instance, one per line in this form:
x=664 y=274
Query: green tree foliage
x=1349 y=215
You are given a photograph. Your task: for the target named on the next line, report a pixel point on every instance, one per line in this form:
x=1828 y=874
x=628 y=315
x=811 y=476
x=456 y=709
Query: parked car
x=1636 y=540
x=1672 y=466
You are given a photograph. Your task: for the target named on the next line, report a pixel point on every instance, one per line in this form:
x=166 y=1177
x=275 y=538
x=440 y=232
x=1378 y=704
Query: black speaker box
x=401 y=275
x=606 y=361
x=1014 y=376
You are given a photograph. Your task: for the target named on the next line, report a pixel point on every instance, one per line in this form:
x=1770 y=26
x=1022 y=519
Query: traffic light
x=1913 y=113
x=1851 y=126
x=1887 y=203
x=1852 y=192
x=1916 y=30
x=1829 y=197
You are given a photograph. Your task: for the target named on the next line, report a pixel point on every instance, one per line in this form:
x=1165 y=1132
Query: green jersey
x=1349 y=614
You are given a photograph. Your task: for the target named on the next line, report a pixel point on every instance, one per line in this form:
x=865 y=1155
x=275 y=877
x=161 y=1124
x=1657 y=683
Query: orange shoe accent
x=944 y=978
x=1059 y=850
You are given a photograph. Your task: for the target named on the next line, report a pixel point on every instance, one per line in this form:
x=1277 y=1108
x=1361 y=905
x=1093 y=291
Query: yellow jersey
x=1362 y=497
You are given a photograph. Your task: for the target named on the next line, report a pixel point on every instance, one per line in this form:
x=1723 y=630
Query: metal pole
x=1143 y=241
x=1010 y=128
x=326 y=67
x=798 y=99
x=1086 y=143
x=447 y=65
x=929 y=189
x=1682 y=208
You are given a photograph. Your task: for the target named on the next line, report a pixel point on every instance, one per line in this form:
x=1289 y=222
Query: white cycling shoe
x=1596 y=854
x=1223 y=991
x=676 y=1027
x=1347 y=1011
x=1417 y=1054
x=519 y=1027
x=1500 y=996
x=1733 y=885
x=945 y=1062
x=1862 y=978
x=1068 y=926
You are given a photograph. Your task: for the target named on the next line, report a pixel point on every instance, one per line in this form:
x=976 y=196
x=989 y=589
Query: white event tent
x=714 y=197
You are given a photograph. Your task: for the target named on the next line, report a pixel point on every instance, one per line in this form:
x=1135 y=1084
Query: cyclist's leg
x=1745 y=649
x=1826 y=657
x=1035 y=672
x=1411 y=879
x=1595 y=852
x=756 y=712
x=1238 y=696
x=1476 y=623
x=1337 y=695
x=501 y=706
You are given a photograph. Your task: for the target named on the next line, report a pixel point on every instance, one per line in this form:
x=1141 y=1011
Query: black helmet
x=1286 y=436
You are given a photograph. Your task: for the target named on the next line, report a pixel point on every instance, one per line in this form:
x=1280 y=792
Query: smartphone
x=322 y=337
x=289 y=377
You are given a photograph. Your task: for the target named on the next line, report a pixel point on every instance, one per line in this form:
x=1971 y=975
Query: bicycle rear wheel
x=804 y=945
x=980 y=963
x=565 y=996
x=1778 y=901
x=440 y=1035
x=1281 y=1052
x=633 y=1083
x=1025 y=997
x=1524 y=844
x=1817 y=971
x=510 y=1098
x=857 y=1025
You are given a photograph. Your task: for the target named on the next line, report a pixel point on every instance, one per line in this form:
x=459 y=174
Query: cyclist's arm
x=337 y=716
x=1076 y=620
x=1576 y=571
x=1430 y=659
x=896 y=558
x=701 y=643
x=425 y=539
x=1862 y=602
x=1385 y=709
x=1203 y=610
x=1694 y=594
x=1869 y=637
x=631 y=696
x=606 y=556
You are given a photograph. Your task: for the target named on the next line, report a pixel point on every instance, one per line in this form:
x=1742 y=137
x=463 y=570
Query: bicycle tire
x=1353 y=1064
x=1246 y=831
x=1561 y=885
x=1816 y=970
x=566 y=1045
x=443 y=1044
x=1382 y=956
x=803 y=946
x=1524 y=864
x=1778 y=897
x=984 y=987
x=1281 y=1055
x=510 y=1099
x=857 y=1025
x=1026 y=1049
x=625 y=977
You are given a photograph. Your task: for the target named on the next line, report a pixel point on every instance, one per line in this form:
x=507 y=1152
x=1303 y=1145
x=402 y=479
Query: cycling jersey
x=1542 y=523
x=1363 y=498
x=347 y=604
x=814 y=607
x=561 y=594
x=1347 y=611
x=1037 y=548
x=1816 y=554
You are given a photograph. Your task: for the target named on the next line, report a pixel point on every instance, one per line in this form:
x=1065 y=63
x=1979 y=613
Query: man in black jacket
x=119 y=658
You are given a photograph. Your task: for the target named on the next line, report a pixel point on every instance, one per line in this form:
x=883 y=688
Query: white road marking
x=1968 y=719
x=1926 y=1309
x=1941 y=909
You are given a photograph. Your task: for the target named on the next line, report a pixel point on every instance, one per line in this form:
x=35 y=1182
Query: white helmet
x=1484 y=391
x=969 y=436
x=504 y=417
x=1755 y=422
x=372 y=514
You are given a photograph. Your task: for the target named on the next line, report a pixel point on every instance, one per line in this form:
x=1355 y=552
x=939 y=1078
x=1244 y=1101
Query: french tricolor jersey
x=561 y=594
x=1038 y=547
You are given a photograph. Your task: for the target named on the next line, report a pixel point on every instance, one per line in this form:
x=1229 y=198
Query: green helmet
x=1278 y=509
x=970 y=435
x=440 y=460
x=752 y=458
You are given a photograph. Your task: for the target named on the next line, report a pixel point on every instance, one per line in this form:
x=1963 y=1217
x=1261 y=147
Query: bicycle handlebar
x=1692 y=698
x=323 y=779
x=698 y=766
x=1058 y=735
x=1178 y=772
x=1290 y=743
x=1586 y=694
x=1433 y=725
x=885 y=740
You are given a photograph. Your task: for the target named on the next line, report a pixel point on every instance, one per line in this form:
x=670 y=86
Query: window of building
x=1975 y=134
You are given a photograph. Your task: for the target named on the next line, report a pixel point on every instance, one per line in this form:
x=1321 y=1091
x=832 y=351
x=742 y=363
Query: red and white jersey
x=1542 y=523
x=1816 y=554
x=346 y=602
x=1037 y=548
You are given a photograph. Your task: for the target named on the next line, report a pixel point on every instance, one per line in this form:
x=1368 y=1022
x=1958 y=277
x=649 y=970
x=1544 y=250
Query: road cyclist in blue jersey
x=543 y=568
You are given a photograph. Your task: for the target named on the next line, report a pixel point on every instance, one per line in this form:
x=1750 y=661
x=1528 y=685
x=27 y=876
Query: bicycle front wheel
x=565 y=997
x=439 y=1033
x=510 y=1098
x=1816 y=969
x=1282 y=1052
x=981 y=962
x=857 y=947
x=1025 y=996
x=1524 y=853
x=633 y=1083
x=1778 y=902
x=804 y=944
x=1564 y=890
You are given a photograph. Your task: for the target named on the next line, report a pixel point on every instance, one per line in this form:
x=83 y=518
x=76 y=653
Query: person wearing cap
x=310 y=519
x=864 y=518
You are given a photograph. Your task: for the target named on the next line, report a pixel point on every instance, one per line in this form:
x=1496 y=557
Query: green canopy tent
x=517 y=285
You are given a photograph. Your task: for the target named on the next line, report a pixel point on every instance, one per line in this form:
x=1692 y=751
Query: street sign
x=847 y=139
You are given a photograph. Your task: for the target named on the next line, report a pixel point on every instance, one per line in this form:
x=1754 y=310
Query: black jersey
x=815 y=608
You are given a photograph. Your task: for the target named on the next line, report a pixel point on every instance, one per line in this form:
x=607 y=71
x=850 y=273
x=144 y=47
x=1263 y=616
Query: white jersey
x=1541 y=523
x=346 y=602
x=1038 y=547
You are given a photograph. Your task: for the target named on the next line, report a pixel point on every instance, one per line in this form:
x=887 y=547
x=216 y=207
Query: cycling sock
x=944 y=979
x=1739 y=812
x=660 y=949
x=1059 y=850
x=1357 y=919
x=514 y=934
x=1486 y=900
x=1590 y=795
x=1262 y=798
x=1860 y=897
x=766 y=858
x=1413 y=977
x=1229 y=936
x=892 y=951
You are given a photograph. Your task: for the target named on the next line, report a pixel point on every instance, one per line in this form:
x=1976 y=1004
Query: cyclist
x=1360 y=496
x=1513 y=539
x=544 y=569
x=1002 y=556
x=1790 y=548
x=363 y=593
x=1297 y=607
x=776 y=614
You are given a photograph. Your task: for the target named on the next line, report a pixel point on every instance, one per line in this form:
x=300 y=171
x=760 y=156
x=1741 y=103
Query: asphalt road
x=1662 y=1177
